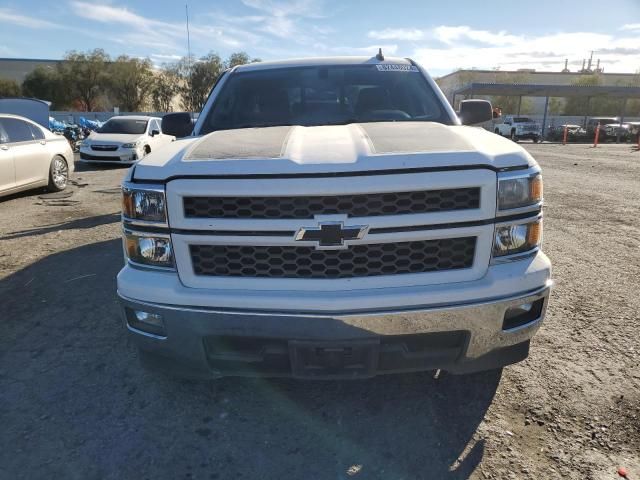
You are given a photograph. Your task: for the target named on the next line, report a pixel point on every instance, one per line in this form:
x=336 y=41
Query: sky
x=442 y=36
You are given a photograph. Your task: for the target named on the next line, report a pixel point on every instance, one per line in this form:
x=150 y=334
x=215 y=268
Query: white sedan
x=124 y=140
x=31 y=156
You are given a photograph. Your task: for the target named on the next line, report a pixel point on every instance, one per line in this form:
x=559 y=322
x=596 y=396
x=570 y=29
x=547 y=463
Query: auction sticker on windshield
x=396 y=68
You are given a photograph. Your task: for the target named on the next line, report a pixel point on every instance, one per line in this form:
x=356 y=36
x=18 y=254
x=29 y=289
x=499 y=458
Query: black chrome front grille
x=356 y=261
x=86 y=156
x=357 y=205
x=104 y=148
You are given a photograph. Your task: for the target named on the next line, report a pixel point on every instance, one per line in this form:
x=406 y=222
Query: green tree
x=601 y=105
x=556 y=106
x=129 y=81
x=9 y=88
x=509 y=104
x=85 y=76
x=197 y=77
x=45 y=83
x=238 y=58
x=164 y=88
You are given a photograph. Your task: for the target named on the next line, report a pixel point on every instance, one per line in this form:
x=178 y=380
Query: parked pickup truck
x=518 y=128
x=332 y=218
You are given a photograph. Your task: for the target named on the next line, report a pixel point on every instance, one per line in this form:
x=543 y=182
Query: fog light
x=522 y=314
x=519 y=310
x=146 y=322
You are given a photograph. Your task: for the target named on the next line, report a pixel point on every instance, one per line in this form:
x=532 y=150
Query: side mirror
x=154 y=133
x=177 y=124
x=475 y=111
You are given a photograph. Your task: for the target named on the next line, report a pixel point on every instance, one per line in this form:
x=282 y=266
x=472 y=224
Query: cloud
x=630 y=26
x=290 y=8
x=453 y=47
x=448 y=35
x=370 y=51
x=284 y=19
x=465 y=34
x=170 y=37
x=408 y=34
x=10 y=16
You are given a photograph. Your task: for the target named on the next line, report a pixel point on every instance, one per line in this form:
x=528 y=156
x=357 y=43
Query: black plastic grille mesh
x=355 y=261
x=361 y=205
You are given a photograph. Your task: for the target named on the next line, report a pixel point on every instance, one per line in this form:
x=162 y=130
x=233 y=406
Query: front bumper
x=120 y=156
x=529 y=135
x=458 y=337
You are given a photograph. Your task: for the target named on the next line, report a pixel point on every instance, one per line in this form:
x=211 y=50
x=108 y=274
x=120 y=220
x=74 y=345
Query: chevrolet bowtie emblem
x=331 y=235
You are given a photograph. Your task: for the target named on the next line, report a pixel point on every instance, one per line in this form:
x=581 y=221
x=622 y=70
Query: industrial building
x=17 y=69
x=455 y=82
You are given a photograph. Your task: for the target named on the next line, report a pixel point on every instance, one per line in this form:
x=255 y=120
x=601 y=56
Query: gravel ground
x=75 y=404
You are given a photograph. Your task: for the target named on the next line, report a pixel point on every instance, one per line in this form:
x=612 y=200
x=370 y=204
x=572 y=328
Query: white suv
x=124 y=140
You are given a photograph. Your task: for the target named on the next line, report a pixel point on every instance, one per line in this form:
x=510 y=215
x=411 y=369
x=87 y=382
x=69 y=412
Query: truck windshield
x=522 y=119
x=124 y=125
x=322 y=95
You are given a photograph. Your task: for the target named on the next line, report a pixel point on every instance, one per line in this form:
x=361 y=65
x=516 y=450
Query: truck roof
x=321 y=61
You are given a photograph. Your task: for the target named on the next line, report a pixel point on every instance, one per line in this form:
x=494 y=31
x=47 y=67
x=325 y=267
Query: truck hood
x=296 y=150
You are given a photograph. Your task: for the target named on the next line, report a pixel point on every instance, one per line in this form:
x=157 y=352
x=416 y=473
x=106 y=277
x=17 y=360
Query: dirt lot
x=75 y=404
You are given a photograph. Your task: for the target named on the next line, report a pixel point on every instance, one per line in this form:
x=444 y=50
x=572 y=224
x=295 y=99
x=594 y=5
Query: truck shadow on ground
x=81 y=167
x=77 y=403
x=79 y=223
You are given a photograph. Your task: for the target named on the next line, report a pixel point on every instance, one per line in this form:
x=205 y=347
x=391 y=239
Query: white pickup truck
x=518 y=128
x=332 y=218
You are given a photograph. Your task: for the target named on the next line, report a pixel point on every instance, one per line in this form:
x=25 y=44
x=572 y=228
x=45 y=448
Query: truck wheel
x=58 y=174
x=496 y=131
x=513 y=136
x=536 y=139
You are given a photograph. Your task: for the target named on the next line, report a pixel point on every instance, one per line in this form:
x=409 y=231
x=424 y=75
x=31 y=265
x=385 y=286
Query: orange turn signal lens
x=535 y=188
x=534 y=233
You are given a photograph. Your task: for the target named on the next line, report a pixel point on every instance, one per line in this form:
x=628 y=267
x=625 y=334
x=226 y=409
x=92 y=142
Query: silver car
x=31 y=156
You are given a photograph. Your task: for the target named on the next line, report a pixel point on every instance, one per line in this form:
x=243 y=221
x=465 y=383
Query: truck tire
x=513 y=136
x=497 y=131
x=536 y=139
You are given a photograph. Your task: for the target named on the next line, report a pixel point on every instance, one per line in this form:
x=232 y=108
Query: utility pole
x=189 y=60
x=186 y=8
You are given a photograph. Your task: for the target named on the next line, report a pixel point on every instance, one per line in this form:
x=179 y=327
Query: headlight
x=131 y=145
x=517 y=238
x=149 y=249
x=144 y=204
x=517 y=192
